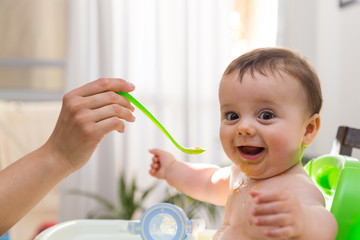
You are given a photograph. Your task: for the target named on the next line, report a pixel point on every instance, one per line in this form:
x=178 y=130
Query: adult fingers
x=106 y=98
x=109 y=111
x=107 y=125
x=74 y=101
x=104 y=85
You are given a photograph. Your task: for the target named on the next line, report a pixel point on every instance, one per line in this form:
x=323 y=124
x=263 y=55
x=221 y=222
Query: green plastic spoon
x=196 y=150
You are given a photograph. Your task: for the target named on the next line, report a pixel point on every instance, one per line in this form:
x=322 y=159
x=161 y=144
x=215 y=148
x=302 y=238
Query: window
x=32 y=49
x=253 y=24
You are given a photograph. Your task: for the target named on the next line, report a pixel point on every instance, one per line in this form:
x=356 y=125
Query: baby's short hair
x=277 y=60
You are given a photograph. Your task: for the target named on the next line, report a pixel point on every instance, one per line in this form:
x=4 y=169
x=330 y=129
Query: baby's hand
x=279 y=210
x=161 y=162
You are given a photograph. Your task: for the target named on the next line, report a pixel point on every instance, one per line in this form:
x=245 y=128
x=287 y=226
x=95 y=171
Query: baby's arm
x=204 y=182
x=287 y=217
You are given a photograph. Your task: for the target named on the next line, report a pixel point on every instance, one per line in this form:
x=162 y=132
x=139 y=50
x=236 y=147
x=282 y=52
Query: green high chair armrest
x=338 y=177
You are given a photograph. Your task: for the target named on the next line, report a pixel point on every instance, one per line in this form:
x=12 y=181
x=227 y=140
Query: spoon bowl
x=196 y=150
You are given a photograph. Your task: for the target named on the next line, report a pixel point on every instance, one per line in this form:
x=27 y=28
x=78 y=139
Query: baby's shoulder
x=301 y=184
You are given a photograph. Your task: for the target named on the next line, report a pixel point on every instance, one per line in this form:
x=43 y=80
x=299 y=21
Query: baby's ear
x=312 y=128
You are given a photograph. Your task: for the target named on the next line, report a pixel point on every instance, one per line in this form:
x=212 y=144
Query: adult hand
x=88 y=113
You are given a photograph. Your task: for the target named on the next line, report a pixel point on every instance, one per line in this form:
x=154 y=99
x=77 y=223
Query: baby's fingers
x=270 y=208
x=155 y=165
x=273 y=220
x=283 y=232
x=267 y=197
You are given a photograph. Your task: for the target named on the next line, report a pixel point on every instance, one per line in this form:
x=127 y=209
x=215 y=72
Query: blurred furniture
x=347 y=138
x=160 y=221
x=89 y=229
x=25 y=126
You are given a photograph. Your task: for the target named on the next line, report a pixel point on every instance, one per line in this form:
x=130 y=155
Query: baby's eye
x=266 y=115
x=231 y=116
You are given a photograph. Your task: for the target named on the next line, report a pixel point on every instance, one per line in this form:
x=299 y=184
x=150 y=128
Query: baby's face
x=263 y=122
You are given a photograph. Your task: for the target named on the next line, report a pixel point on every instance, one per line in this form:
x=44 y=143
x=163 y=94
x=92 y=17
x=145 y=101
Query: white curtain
x=175 y=53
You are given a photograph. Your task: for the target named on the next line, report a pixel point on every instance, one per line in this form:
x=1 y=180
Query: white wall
x=330 y=37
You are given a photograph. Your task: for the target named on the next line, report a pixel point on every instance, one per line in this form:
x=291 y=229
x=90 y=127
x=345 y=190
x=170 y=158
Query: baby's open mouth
x=250 y=151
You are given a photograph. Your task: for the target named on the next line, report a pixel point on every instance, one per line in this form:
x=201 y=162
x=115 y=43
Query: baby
x=270 y=101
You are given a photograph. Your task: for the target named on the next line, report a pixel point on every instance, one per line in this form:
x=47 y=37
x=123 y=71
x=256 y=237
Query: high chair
x=338 y=177
x=162 y=221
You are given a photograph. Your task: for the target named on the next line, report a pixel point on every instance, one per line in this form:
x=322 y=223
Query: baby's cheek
x=227 y=147
x=279 y=139
x=286 y=144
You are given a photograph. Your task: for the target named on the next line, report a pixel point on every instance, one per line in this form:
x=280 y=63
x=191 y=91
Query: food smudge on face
x=244 y=167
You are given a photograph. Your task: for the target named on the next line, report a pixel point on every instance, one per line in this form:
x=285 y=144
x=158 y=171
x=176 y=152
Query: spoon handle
x=197 y=150
x=147 y=113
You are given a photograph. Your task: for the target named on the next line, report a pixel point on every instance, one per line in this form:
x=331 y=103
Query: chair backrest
x=347 y=138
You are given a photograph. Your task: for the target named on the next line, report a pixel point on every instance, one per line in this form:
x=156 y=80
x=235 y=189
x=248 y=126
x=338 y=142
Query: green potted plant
x=131 y=200
x=128 y=201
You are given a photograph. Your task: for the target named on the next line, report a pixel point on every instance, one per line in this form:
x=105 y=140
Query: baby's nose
x=245 y=129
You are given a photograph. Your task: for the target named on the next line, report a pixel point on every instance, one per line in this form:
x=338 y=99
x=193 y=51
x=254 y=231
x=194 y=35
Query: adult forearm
x=24 y=183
